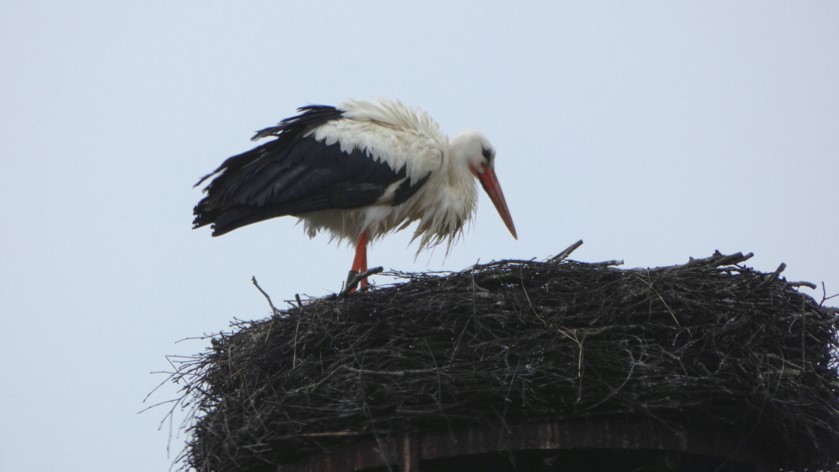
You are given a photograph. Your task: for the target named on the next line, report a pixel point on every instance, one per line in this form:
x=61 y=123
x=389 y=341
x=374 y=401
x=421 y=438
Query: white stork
x=359 y=171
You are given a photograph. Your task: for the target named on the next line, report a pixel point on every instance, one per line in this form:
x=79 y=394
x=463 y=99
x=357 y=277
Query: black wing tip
x=221 y=210
x=199 y=221
x=201 y=181
x=315 y=107
x=308 y=116
x=224 y=220
x=216 y=231
x=203 y=216
x=267 y=132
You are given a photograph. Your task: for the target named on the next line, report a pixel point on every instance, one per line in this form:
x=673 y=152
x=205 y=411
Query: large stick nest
x=708 y=343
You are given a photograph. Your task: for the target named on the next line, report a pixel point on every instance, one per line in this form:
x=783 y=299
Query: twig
x=296 y=329
x=716 y=260
x=475 y=286
x=395 y=373
x=565 y=252
x=824 y=294
x=650 y=285
x=273 y=308
x=353 y=281
x=773 y=276
x=731 y=259
x=613 y=262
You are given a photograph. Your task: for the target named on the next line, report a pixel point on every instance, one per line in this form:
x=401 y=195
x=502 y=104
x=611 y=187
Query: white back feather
x=400 y=136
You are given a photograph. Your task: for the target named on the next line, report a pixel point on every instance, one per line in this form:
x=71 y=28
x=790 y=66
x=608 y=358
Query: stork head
x=475 y=150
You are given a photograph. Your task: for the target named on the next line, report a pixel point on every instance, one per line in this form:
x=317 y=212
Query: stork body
x=359 y=171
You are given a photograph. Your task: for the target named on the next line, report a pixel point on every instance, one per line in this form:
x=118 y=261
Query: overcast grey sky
x=654 y=131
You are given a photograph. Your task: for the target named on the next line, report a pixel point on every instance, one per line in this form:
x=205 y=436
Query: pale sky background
x=654 y=131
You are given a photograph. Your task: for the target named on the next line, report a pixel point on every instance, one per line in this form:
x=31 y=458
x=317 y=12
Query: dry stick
x=773 y=276
x=475 y=286
x=650 y=285
x=565 y=252
x=273 y=308
x=805 y=284
x=721 y=259
x=824 y=292
x=294 y=354
x=356 y=278
x=718 y=259
x=613 y=262
x=296 y=329
x=390 y=373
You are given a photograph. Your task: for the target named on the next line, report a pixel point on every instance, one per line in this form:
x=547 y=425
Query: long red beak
x=489 y=181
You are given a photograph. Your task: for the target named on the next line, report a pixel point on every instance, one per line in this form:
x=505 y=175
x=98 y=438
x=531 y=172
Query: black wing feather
x=289 y=129
x=293 y=175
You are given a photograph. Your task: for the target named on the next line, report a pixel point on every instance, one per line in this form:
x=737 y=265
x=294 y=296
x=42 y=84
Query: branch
x=273 y=308
x=614 y=262
x=565 y=252
x=356 y=277
x=716 y=260
x=824 y=294
x=773 y=276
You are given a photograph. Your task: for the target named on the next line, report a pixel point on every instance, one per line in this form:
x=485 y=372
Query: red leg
x=359 y=263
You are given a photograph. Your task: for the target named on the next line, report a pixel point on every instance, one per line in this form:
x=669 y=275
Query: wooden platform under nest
x=711 y=349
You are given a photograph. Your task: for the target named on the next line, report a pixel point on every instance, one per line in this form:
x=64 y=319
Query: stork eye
x=487 y=153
